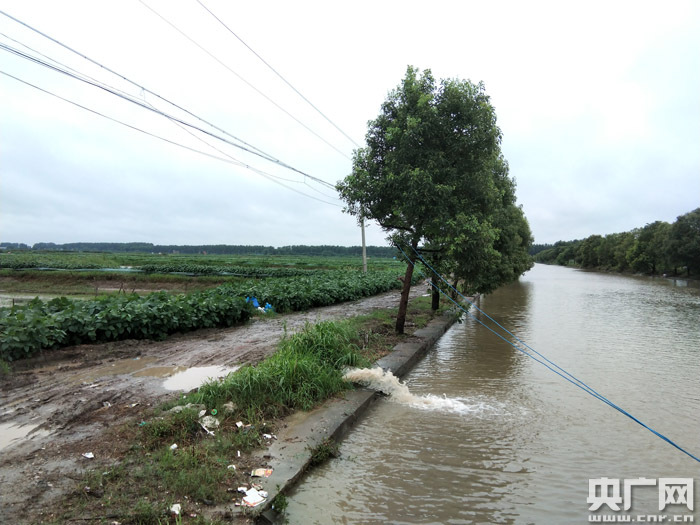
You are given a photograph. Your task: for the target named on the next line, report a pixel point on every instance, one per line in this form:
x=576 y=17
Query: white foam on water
x=388 y=383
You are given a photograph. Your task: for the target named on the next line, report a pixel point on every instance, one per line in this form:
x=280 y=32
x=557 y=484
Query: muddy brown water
x=63 y=404
x=484 y=434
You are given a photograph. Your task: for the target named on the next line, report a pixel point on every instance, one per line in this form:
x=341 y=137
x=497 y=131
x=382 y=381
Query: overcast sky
x=598 y=103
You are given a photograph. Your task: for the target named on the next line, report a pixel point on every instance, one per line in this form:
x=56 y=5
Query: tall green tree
x=588 y=255
x=647 y=253
x=432 y=173
x=684 y=241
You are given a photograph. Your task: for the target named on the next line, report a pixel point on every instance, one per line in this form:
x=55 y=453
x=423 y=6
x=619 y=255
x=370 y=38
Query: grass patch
x=375 y=333
x=306 y=369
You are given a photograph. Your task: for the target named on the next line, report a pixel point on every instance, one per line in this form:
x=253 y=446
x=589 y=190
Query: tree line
x=658 y=247
x=217 y=249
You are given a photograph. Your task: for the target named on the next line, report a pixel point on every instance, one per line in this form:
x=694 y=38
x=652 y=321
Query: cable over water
x=543 y=361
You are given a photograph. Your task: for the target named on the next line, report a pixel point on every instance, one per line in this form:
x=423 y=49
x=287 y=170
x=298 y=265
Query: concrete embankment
x=290 y=454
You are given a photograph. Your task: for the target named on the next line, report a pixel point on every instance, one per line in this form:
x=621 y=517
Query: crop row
x=24 y=330
x=321 y=289
x=205 y=269
x=26 y=263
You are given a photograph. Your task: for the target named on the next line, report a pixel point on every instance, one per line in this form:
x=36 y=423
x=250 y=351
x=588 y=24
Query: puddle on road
x=179 y=377
x=124 y=366
x=194 y=377
x=159 y=371
x=10 y=433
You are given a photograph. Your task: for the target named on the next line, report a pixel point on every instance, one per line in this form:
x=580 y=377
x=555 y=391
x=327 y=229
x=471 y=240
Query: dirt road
x=55 y=408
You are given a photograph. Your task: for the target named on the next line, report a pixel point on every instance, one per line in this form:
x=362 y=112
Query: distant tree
x=588 y=253
x=567 y=253
x=684 y=241
x=624 y=243
x=218 y=249
x=537 y=248
x=647 y=252
x=431 y=173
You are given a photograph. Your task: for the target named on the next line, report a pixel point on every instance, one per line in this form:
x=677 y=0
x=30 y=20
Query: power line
x=249 y=84
x=257 y=151
x=142 y=88
x=560 y=372
x=279 y=75
x=269 y=176
x=125 y=96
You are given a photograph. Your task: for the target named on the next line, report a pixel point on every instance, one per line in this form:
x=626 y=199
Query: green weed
x=325 y=450
x=306 y=369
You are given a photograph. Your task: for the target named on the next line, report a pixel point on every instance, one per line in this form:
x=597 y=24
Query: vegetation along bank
x=657 y=248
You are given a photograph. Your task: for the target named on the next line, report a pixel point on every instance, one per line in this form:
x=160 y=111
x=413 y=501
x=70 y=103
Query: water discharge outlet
x=386 y=382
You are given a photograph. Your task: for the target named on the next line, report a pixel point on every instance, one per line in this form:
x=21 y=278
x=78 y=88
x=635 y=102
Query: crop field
x=103 y=260
x=162 y=294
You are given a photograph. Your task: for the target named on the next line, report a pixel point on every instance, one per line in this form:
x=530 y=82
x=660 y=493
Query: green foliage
x=321 y=289
x=146 y=513
x=217 y=249
x=294 y=258
x=60 y=322
x=433 y=174
x=25 y=260
x=656 y=248
x=325 y=450
x=280 y=503
x=178 y=427
x=683 y=247
x=305 y=370
x=427 y=158
x=241 y=271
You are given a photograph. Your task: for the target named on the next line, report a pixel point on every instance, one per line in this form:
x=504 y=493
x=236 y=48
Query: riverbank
x=626 y=273
x=306 y=436
x=513 y=442
x=82 y=413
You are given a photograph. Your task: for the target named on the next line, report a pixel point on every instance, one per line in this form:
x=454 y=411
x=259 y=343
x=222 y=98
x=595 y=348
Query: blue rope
x=545 y=362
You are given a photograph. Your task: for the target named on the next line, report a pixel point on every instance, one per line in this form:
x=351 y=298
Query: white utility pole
x=364 y=246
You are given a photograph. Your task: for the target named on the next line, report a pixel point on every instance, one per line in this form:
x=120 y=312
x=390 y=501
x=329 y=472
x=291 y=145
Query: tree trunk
x=403 y=304
x=436 y=294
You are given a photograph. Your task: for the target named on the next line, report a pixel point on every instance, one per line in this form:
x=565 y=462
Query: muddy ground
x=72 y=401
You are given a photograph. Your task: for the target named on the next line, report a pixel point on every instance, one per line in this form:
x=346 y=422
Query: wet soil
x=60 y=405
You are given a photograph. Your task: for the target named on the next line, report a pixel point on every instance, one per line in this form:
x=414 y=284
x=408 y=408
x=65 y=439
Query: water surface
x=515 y=443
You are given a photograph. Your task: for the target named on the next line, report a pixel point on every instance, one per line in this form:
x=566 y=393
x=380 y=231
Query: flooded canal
x=511 y=442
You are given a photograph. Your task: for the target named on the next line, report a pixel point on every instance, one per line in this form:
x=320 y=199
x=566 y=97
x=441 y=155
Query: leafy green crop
x=206 y=269
x=24 y=330
x=320 y=289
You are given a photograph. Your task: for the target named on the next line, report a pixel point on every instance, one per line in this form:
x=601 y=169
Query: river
x=515 y=443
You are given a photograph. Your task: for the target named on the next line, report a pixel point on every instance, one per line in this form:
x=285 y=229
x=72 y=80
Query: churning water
x=387 y=383
x=480 y=433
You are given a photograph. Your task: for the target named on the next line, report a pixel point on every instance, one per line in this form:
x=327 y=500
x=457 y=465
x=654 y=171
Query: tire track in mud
x=70 y=400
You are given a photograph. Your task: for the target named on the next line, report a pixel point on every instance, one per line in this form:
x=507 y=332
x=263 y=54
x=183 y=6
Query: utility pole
x=364 y=246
